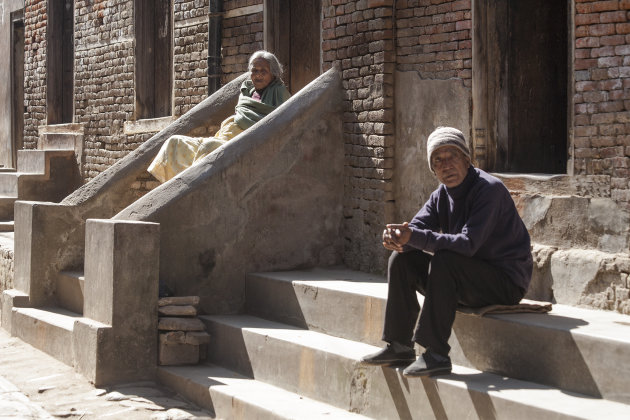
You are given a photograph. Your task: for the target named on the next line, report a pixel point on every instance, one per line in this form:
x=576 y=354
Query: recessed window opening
x=60 y=59
x=154 y=68
x=17 y=83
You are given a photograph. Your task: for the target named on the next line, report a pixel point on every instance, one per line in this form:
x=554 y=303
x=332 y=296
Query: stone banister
x=50 y=237
x=269 y=199
x=116 y=179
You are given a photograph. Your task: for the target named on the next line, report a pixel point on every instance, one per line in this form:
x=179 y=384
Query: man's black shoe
x=428 y=365
x=390 y=355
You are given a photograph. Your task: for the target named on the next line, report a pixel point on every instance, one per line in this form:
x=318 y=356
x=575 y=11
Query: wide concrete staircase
x=295 y=354
x=87 y=268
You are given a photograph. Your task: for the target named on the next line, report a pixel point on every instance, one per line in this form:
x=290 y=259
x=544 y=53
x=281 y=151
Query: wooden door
x=520 y=85
x=292 y=33
x=60 y=62
x=537 y=136
x=17 y=85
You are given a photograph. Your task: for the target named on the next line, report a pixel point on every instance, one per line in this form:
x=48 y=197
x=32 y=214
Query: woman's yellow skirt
x=180 y=152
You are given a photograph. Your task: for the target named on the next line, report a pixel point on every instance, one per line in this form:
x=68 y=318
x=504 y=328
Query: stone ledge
x=70 y=128
x=150 y=125
x=557 y=184
x=243 y=11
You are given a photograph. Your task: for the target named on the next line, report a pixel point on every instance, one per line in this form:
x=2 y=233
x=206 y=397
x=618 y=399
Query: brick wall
x=35 y=19
x=602 y=101
x=104 y=81
x=434 y=38
x=242 y=35
x=104 y=75
x=190 y=53
x=358 y=38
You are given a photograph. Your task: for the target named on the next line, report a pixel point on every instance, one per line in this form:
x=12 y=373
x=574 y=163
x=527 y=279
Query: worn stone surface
x=197 y=338
x=593 y=278
x=180 y=324
x=183 y=337
x=173 y=337
x=570 y=221
x=121 y=291
x=178 y=354
x=177 y=310
x=179 y=300
x=541 y=285
x=70 y=395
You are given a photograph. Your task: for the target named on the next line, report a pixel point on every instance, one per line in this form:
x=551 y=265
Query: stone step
x=36 y=161
x=7 y=226
x=70 y=290
x=9 y=183
x=6 y=207
x=47 y=329
x=231 y=395
x=570 y=348
x=43 y=175
x=326 y=368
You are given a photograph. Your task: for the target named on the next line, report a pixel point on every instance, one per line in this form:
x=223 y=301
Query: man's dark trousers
x=446 y=279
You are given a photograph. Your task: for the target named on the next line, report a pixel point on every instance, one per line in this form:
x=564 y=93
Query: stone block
x=197 y=337
x=541 y=285
x=121 y=272
x=121 y=291
x=180 y=324
x=179 y=300
x=46 y=236
x=175 y=310
x=178 y=354
x=173 y=337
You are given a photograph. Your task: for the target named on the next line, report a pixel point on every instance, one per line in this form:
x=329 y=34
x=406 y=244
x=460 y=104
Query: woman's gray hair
x=274 y=64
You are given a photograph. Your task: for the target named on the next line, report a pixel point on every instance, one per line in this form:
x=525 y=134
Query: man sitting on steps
x=467 y=245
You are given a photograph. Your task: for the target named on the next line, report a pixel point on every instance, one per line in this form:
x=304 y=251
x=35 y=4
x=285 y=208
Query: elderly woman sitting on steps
x=260 y=94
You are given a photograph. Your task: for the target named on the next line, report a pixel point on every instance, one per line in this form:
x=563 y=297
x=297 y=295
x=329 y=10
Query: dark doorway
x=154 y=62
x=292 y=33
x=60 y=56
x=17 y=83
x=520 y=85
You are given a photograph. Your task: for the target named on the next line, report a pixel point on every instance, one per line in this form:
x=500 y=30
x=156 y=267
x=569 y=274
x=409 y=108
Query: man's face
x=261 y=74
x=450 y=165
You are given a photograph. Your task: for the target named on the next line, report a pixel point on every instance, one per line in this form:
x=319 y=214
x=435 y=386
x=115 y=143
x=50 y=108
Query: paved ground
x=34 y=385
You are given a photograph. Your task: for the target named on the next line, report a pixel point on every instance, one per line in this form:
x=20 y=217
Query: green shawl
x=249 y=111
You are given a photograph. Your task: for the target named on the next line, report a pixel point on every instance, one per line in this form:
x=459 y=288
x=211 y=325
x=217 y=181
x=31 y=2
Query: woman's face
x=261 y=74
